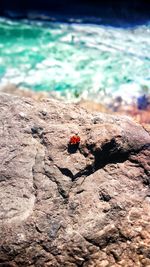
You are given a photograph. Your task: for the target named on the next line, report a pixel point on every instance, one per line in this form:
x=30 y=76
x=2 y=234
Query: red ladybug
x=74 y=140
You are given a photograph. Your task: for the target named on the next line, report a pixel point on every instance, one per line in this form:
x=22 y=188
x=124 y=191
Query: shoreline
x=116 y=106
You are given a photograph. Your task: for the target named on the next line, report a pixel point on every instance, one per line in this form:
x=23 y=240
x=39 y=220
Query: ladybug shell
x=74 y=140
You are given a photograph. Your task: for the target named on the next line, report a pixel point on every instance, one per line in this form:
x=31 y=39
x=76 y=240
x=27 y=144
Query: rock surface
x=70 y=206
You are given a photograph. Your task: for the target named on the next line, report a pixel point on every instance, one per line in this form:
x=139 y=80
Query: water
x=76 y=60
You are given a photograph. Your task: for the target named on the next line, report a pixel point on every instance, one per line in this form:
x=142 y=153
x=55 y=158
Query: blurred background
x=119 y=9
x=95 y=53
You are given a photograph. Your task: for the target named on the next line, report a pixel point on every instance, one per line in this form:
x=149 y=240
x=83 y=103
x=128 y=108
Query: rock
x=60 y=207
x=24 y=92
x=93 y=106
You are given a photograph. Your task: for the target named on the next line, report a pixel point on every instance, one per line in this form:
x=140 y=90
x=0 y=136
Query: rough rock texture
x=69 y=206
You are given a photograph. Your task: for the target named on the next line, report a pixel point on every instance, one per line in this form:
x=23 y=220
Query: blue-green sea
x=76 y=60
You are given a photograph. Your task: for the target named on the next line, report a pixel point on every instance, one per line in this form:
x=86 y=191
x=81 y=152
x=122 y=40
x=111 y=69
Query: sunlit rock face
x=67 y=205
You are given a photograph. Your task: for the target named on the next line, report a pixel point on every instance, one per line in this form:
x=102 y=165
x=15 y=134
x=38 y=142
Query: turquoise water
x=76 y=60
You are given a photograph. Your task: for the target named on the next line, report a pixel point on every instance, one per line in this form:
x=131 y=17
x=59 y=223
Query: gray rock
x=64 y=205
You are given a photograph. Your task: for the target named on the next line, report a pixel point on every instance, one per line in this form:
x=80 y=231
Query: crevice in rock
x=61 y=191
x=104 y=242
x=85 y=172
x=104 y=196
x=33 y=175
x=37 y=229
x=92 y=242
x=36 y=172
x=146 y=177
x=38 y=132
x=84 y=262
x=108 y=239
x=80 y=191
x=66 y=172
x=110 y=152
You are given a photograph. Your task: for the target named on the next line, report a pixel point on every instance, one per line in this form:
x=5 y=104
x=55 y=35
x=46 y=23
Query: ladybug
x=74 y=140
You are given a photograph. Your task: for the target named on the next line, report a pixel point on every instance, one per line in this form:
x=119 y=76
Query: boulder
x=64 y=205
